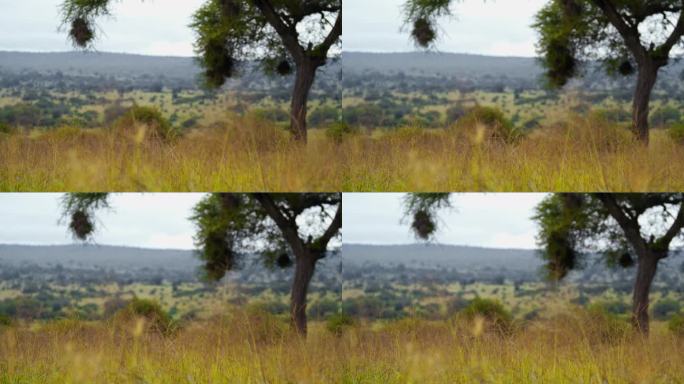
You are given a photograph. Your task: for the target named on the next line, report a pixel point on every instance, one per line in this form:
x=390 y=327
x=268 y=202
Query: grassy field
x=244 y=347
x=245 y=155
x=584 y=154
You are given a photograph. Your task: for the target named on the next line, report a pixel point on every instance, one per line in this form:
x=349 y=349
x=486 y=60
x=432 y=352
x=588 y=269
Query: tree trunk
x=646 y=270
x=304 y=269
x=648 y=73
x=304 y=78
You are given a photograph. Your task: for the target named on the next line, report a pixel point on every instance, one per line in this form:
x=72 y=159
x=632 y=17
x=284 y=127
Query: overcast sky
x=487 y=220
x=142 y=220
x=492 y=27
x=154 y=27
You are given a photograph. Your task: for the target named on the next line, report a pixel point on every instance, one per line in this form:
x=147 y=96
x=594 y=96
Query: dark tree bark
x=305 y=265
x=304 y=78
x=648 y=73
x=647 y=266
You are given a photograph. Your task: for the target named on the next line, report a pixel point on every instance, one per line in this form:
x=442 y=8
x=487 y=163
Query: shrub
x=339 y=131
x=608 y=327
x=6 y=129
x=338 y=323
x=263 y=327
x=156 y=319
x=5 y=321
x=497 y=126
x=665 y=308
x=676 y=324
x=676 y=132
x=151 y=118
x=491 y=311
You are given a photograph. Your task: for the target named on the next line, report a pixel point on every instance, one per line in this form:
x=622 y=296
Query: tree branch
x=629 y=33
x=287 y=227
x=321 y=244
x=629 y=226
x=286 y=32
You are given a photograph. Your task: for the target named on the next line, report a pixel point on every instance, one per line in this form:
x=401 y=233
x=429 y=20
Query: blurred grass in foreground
x=248 y=347
x=584 y=154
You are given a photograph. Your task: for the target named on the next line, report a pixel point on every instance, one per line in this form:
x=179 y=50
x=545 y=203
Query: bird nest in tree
x=81 y=225
x=423 y=225
x=423 y=32
x=284 y=68
x=81 y=32
x=284 y=261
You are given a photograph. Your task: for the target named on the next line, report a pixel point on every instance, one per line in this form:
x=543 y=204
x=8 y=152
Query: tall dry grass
x=583 y=155
x=251 y=155
x=571 y=347
x=244 y=155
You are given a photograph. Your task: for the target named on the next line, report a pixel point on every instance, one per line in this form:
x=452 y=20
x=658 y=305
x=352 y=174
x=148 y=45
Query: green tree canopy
x=278 y=34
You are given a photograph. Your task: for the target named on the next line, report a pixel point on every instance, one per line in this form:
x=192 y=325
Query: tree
x=277 y=227
x=622 y=228
x=276 y=33
x=626 y=36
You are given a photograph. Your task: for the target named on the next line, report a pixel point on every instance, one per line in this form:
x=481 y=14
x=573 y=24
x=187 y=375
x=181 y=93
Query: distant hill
x=437 y=63
x=466 y=65
x=98 y=256
x=101 y=63
x=110 y=64
x=437 y=255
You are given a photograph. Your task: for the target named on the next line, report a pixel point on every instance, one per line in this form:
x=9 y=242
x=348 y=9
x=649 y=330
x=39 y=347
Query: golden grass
x=245 y=155
x=251 y=155
x=571 y=348
x=587 y=155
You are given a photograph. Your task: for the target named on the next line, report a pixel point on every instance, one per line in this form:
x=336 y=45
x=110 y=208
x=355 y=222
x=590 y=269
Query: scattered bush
x=665 y=308
x=155 y=318
x=5 y=321
x=492 y=311
x=6 y=129
x=337 y=324
x=676 y=132
x=155 y=125
x=496 y=126
x=676 y=324
x=606 y=326
x=339 y=131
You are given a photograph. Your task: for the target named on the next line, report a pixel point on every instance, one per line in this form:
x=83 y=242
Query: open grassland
x=246 y=155
x=574 y=347
x=584 y=154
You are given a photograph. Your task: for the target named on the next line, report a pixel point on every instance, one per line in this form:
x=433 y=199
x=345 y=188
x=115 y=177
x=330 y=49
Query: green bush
x=5 y=321
x=155 y=317
x=676 y=324
x=6 y=129
x=337 y=132
x=676 y=132
x=151 y=117
x=665 y=308
x=492 y=311
x=609 y=328
x=338 y=323
x=498 y=126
